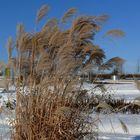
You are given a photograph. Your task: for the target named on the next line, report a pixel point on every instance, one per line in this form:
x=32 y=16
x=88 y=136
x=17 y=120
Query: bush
x=50 y=104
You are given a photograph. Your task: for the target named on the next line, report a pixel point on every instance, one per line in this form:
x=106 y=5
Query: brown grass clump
x=47 y=66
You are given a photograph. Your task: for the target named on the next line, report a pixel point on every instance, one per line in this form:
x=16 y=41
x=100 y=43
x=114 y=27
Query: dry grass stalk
x=68 y=14
x=137 y=83
x=2 y=65
x=10 y=47
x=115 y=33
x=42 y=12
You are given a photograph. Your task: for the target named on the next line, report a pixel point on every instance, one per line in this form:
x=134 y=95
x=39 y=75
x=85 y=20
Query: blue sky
x=124 y=14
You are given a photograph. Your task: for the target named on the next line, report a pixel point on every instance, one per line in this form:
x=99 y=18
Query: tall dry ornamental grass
x=50 y=103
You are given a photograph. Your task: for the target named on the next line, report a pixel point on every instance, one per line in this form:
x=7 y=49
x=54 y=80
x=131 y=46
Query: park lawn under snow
x=109 y=126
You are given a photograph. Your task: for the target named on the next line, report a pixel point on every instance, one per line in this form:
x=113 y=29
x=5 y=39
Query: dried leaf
x=101 y=87
x=20 y=30
x=50 y=24
x=2 y=65
x=115 y=33
x=42 y=12
x=104 y=106
x=115 y=61
x=68 y=15
x=137 y=84
x=136 y=103
x=124 y=127
x=100 y=19
x=10 y=47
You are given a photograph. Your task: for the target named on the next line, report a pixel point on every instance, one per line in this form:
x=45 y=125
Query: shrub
x=50 y=104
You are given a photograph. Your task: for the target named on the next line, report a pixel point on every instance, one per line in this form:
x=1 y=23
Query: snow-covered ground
x=128 y=91
x=109 y=126
x=5 y=114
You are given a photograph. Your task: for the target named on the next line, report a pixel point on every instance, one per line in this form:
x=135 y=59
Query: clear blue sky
x=124 y=14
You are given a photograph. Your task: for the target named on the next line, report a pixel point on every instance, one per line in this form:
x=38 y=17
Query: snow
x=4 y=126
x=128 y=91
x=5 y=114
x=124 y=91
x=109 y=126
